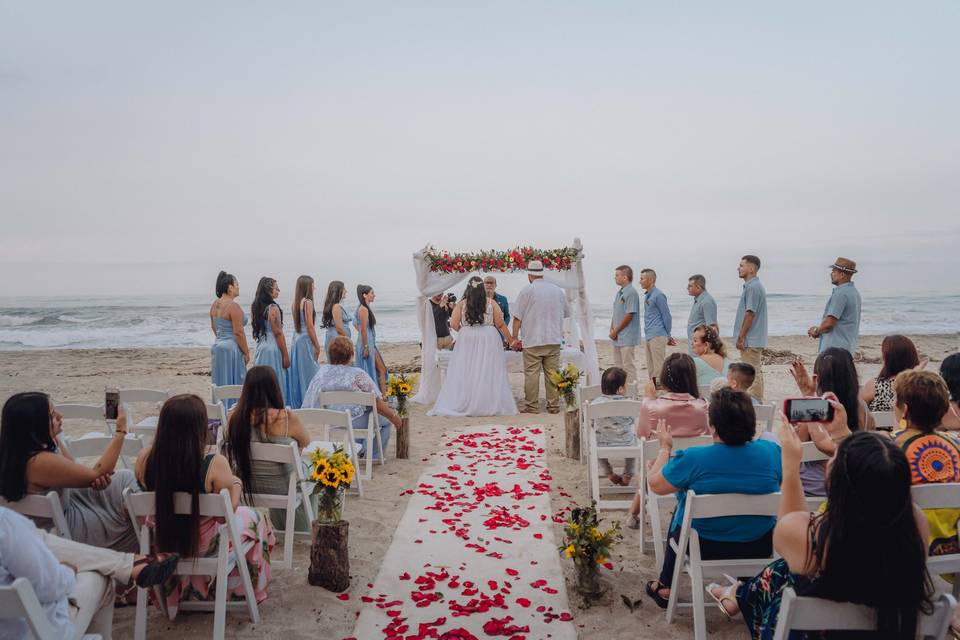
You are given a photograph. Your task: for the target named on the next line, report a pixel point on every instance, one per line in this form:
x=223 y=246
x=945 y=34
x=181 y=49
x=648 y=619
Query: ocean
x=176 y=321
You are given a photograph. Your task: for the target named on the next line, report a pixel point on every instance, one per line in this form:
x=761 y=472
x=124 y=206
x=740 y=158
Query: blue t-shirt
x=752 y=468
x=627 y=301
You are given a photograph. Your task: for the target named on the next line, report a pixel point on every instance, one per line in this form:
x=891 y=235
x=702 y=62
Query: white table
x=568 y=355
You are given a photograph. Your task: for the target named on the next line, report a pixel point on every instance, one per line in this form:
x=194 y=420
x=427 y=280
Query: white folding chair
x=42 y=505
x=329 y=421
x=689 y=559
x=765 y=415
x=230 y=554
x=88 y=412
x=651 y=503
x=802 y=613
x=225 y=392
x=611 y=409
x=364 y=399
x=812 y=454
x=885 y=420
x=585 y=395
x=297 y=496
x=19 y=600
x=131 y=396
x=93 y=445
x=945 y=495
x=704 y=390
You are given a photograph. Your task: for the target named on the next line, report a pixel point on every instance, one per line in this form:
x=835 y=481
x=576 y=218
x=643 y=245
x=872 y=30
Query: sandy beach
x=296 y=610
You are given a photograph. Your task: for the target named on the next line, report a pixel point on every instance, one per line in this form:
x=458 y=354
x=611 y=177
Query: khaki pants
x=625 y=358
x=446 y=342
x=754 y=356
x=92 y=597
x=536 y=359
x=656 y=351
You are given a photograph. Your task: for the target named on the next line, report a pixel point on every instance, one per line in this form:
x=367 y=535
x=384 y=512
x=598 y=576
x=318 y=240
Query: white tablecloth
x=515 y=359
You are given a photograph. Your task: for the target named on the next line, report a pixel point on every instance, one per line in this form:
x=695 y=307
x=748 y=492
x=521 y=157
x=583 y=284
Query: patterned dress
x=882 y=395
x=759 y=599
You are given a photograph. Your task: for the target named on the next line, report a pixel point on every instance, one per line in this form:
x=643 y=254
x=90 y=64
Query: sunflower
x=601 y=559
x=569 y=551
x=331 y=478
x=320 y=468
x=404 y=388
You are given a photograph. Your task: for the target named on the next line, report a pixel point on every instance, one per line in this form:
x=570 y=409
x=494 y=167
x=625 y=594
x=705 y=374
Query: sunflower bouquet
x=566 y=381
x=333 y=473
x=400 y=387
x=588 y=547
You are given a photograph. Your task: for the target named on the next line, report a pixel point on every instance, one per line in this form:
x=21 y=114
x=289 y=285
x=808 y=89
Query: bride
x=476 y=382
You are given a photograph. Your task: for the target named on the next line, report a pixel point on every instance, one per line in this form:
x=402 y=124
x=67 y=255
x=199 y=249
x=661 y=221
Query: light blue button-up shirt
x=844 y=305
x=753 y=298
x=703 y=312
x=627 y=301
x=656 y=314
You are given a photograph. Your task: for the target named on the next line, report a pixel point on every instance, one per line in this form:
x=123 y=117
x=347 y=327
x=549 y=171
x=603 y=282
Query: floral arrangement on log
x=400 y=386
x=566 y=380
x=504 y=261
x=333 y=473
x=589 y=548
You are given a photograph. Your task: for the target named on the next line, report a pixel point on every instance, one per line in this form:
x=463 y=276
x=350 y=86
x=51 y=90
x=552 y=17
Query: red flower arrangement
x=502 y=261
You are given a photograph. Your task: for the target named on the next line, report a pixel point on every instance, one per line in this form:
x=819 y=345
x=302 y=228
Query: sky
x=145 y=146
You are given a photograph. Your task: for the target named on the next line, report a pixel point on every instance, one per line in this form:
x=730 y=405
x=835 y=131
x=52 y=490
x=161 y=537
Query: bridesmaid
x=306 y=344
x=267 y=320
x=230 y=354
x=368 y=356
x=336 y=318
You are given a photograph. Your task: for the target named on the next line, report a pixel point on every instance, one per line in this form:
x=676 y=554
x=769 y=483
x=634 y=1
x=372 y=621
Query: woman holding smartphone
x=230 y=354
x=368 y=356
x=267 y=320
x=336 y=318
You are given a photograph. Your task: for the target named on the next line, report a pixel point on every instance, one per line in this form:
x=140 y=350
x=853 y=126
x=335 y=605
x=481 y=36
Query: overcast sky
x=143 y=146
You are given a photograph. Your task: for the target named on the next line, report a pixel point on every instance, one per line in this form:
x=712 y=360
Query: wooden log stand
x=403 y=438
x=330 y=556
x=571 y=424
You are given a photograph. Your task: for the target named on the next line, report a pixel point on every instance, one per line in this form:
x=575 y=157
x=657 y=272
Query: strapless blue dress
x=268 y=353
x=368 y=364
x=348 y=319
x=226 y=359
x=303 y=366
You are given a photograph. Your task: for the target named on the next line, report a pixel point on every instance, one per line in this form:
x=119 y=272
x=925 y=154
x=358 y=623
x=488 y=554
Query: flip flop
x=655 y=595
x=719 y=600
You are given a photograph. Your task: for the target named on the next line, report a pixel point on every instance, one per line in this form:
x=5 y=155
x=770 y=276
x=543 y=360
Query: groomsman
x=704 y=309
x=750 y=325
x=625 y=324
x=657 y=323
x=840 y=326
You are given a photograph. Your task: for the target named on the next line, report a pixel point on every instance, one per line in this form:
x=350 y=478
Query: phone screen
x=111 y=403
x=809 y=410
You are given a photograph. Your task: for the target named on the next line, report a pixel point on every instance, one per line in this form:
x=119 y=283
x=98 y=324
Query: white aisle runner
x=474 y=555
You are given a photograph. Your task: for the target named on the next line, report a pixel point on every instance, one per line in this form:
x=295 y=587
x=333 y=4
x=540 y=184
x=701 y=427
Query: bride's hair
x=475 y=298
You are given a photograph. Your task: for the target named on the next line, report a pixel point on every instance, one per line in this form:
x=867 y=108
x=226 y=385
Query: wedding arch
x=438 y=271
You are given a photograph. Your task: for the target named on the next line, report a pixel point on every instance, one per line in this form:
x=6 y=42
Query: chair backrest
x=704 y=390
x=651 y=446
x=801 y=613
x=325 y=419
x=19 y=600
x=731 y=504
x=225 y=392
x=45 y=506
x=76 y=411
x=765 y=415
x=593 y=391
x=143 y=395
x=613 y=409
x=212 y=505
x=945 y=495
x=93 y=445
x=884 y=419
x=363 y=398
x=812 y=454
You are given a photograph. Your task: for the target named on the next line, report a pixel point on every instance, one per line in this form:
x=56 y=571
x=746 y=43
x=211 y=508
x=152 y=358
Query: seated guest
x=32 y=461
x=442 y=307
x=259 y=416
x=615 y=431
x=740 y=376
x=921 y=401
x=950 y=372
x=681 y=406
x=898 y=354
x=844 y=553
x=177 y=461
x=735 y=463
x=833 y=371
x=341 y=375
x=710 y=356
x=74 y=582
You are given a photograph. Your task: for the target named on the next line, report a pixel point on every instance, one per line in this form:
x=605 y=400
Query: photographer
x=442 y=306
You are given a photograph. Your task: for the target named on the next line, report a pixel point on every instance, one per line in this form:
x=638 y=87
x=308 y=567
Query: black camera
x=451 y=298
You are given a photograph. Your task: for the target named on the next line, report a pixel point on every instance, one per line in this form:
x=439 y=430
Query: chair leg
x=290 y=526
x=699 y=612
x=307 y=507
x=220 y=604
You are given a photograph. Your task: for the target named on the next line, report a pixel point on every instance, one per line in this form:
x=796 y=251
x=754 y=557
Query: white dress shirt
x=541 y=308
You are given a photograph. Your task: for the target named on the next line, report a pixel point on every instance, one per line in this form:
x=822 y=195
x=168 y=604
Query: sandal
x=720 y=599
x=156 y=570
x=654 y=593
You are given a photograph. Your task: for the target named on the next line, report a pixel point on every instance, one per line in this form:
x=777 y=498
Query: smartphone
x=807 y=410
x=111 y=403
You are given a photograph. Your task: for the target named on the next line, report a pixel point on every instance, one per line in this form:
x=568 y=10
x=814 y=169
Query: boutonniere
x=622 y=301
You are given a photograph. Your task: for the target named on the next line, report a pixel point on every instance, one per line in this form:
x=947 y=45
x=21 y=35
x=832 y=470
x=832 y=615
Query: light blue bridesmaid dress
x=348 y=319
x=302 y=364
x=268 y=353
x=226 y=359
x=368 y=364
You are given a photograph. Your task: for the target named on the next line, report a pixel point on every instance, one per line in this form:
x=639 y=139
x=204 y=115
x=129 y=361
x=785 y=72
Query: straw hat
x=535 y=267
x=845 y=265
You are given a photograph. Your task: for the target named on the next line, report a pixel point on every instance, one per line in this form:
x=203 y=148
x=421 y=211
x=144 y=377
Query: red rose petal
x=343 y=596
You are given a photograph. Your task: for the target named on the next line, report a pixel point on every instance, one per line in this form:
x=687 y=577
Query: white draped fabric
x=430 y=284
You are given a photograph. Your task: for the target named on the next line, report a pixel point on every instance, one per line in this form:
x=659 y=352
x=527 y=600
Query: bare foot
x=615 y=479
x=626 y=479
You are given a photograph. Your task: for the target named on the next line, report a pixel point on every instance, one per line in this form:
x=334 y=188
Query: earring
x=903 y=423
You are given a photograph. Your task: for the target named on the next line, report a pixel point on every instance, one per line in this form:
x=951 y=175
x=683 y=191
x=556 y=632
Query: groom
x=539 y=309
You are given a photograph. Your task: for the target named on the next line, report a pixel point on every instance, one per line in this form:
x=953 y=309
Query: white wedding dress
x=476 y=383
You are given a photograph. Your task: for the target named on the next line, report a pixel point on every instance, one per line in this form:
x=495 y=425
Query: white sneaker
x=633 y=521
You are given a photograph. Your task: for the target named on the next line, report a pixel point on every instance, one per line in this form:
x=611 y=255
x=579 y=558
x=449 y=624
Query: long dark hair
x=475 y=301
x=24 y=432
x=950 y=372
x=869 y=513
x=224 y=280
x=303 y=291
x=175 y=464
x=679 y=374
x=836 y=372
x=334 y=295
x=362 y=290
x=898 y=354
x=261 y=392
x=262 y=302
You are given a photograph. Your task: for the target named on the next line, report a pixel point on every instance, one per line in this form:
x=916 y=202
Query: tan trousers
x=536 y=359
x=93 y=594
x=626 y=359
x=754 y=356
x=656 y=351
